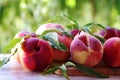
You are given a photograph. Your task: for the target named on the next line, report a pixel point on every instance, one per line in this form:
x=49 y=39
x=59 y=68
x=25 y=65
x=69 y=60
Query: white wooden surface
x=14 y=71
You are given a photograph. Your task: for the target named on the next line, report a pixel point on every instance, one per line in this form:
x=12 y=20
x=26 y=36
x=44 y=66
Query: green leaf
x=64 y=71
x=52 y=37
x=71 y=64
x=100 y=38
x=63 y=47
x=68 y=34
x=5 y=60
x=74 y=24
x=51 y=70
x=89 y=24
x=101 y=26
x=0 y=63
x=12 y=44
x=90 y=71
x=87 y=29
x=92 y=28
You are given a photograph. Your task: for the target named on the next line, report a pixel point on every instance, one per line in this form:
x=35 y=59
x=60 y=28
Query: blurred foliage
x=16 y=15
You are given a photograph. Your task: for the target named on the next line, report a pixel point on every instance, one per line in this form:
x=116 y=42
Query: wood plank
x=14 y=71
x=105 y=70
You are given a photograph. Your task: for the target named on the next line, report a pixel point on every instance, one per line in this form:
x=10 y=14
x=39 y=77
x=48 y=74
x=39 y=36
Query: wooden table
x=14 y=71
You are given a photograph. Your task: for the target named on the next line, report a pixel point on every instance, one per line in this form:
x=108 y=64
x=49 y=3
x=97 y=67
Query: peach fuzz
x=35 y=54
x=86 y=49
x=111 y=55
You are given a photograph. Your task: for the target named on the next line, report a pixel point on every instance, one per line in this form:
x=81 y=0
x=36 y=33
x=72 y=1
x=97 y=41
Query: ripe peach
x=110 y=32
x=25 y=35
x=86 y=49
x=59 y=55
x=49 y=26
x=111 y=55
x=35 y=54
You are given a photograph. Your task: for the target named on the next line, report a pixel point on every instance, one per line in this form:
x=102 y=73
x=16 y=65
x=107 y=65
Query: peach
x=49 y=26
x=35 y=54
x=110 y=32
x=86 y=49
x=25 y=35
x=111 y=55
x=59 y=55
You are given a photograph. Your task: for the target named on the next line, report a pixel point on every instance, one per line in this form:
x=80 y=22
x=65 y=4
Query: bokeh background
x=17 y=15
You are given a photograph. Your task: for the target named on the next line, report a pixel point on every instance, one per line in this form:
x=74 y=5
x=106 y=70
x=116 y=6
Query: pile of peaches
x=51 y=42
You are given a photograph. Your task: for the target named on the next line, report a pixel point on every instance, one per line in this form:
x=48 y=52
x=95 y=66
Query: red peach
x=25 y=35
x=110 y=32
x=86 y=49
x=35 y=54
x=111 y=55
x=60 y=55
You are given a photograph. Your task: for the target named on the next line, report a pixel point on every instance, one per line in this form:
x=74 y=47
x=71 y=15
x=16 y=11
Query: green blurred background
x=17 y=15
